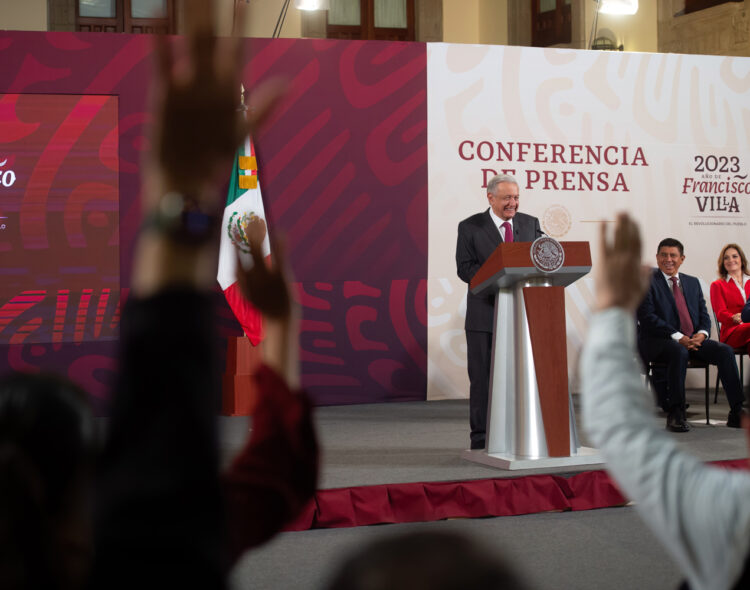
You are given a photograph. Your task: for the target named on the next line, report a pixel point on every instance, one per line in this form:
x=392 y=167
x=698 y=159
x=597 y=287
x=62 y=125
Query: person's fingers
x=229 y=51
x=256 y=232
x=278 y=253
x=263 y=100
x=236 y=52
x=623 y=233
x=256 y=251
x=619 y=234
x=163 y=57
x=240 y=18
x=199 y=17
x=633 y=237
x=202 y=52
x=199 y=24
x=603 y=246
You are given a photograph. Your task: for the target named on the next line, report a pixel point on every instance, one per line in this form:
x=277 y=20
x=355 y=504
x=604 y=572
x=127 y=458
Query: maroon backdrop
x=343 y=169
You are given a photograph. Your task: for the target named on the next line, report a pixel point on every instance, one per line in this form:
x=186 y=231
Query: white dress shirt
x=740 y=287
x=498 y=221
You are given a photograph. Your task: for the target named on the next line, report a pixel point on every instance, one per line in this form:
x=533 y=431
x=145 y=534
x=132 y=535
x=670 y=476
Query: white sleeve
x=700 y=513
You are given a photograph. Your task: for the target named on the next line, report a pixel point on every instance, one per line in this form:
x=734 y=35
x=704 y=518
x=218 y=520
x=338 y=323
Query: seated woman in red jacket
x=728 y=296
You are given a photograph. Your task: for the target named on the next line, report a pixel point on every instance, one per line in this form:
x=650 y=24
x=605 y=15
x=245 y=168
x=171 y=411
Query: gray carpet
x=411 y=442
x=597 y=549
x=422 y=441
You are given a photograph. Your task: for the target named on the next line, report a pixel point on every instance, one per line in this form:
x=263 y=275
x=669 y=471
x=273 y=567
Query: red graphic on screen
x=60 y=203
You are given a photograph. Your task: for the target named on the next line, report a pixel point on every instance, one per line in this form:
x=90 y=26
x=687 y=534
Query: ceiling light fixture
x=618 y=6
x=311 y=4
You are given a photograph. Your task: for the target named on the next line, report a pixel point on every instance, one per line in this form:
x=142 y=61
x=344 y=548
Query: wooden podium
x=239 y=392
x=530 y=419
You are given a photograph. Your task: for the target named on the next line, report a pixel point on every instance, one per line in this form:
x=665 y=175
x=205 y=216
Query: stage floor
x=422 y=441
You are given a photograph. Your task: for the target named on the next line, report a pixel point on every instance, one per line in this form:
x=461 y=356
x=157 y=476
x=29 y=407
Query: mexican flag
x=244 y=202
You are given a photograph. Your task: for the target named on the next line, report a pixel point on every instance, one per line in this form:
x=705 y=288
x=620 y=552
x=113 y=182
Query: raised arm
x=159 y=514
x=275 y=475
x=700 y=513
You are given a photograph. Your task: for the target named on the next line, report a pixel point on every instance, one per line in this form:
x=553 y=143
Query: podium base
x=584 y=456
x=239 y=390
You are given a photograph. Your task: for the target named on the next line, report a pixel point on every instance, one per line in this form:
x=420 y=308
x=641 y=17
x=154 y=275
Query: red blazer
x=726 y=301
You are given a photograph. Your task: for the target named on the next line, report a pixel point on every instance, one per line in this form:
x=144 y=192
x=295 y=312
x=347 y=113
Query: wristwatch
x=179 y=218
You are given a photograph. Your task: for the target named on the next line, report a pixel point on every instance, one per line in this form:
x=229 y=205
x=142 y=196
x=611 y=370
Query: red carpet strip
x=430 y=501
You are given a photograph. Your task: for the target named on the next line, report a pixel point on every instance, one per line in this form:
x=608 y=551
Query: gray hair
x=500 y=178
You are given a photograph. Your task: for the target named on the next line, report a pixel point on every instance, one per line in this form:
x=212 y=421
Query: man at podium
x=478 y=236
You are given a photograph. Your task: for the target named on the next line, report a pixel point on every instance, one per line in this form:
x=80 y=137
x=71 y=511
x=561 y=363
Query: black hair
x=46 y=443
x=671 y=243
x=435 y=560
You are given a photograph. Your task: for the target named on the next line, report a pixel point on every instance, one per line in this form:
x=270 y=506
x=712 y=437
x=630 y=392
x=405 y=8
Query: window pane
x=344 y=12
x=547 y=5
x=390 y=13
x=97 y=8
x=148 y=8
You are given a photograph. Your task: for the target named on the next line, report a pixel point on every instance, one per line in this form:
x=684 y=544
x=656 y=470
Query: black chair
x=738 y=352
x=692 y=364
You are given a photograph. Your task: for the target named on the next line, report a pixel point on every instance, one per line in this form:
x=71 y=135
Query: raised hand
x=198 y=125
x=621 y=281
x=265 y=285
x=197 y=128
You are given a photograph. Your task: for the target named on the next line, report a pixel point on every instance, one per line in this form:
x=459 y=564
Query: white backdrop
x=664 y=137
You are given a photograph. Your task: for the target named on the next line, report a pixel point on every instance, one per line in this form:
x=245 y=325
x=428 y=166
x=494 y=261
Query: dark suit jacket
x=746 y=311
x=657 y=314
x=477 y=239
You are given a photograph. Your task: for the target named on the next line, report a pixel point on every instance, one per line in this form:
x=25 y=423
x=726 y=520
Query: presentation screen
x=59 y=215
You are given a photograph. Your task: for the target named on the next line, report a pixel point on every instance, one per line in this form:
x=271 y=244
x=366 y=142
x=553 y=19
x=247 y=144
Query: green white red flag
x=244 y=202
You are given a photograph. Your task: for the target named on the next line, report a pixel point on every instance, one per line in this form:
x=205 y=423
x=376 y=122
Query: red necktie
x=686 y=324
x=507 y=232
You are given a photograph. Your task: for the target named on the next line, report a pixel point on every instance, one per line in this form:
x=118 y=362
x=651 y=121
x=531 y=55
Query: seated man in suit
x=478 y=236
x=674 y=326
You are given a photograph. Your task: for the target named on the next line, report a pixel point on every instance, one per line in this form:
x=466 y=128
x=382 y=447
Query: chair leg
x=717 y=387
x=742 y=373
x=647 y=380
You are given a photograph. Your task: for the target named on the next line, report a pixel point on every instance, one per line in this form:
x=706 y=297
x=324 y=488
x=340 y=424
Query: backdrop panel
x=364 y=336
x=39 y=67
x=587 y=134
x=343 y=165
